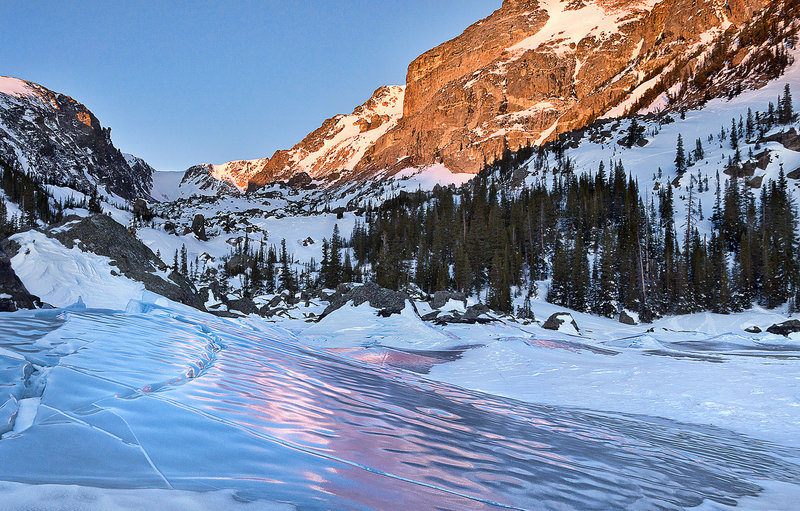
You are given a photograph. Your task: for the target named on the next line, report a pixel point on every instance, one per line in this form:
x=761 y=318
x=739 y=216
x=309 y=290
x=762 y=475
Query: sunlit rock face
x=51 y=135
x=529 y=71
x=166 y=397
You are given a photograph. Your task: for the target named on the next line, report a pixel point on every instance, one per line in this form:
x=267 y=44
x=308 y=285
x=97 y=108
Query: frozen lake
x=166 y=398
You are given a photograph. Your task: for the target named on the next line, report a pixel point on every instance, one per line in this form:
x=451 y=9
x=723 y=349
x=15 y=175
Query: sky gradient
x=182 y=83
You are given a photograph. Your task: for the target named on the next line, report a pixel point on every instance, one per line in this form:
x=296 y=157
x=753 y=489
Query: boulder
x=13 y=294
x=753 y=330
x=245 y=305
x=440 y=298
x=199 y=227
x=785 y=328
x=387 y=301
x=626 y=318
x=558 y=320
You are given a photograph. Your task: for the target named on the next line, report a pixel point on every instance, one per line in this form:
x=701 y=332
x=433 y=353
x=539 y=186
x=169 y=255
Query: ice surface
x=162 y=397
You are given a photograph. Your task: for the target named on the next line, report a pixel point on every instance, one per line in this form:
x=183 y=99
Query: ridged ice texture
x=164 y=398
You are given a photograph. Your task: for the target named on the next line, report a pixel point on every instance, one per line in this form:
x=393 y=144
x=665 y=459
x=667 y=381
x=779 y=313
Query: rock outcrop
x=13 y=294
x=785 y=328
x=561 y=321
x=387 y=302
x=52 y=135
x=101 y=235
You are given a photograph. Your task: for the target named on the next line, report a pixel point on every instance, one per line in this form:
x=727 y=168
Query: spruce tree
x=680 y=156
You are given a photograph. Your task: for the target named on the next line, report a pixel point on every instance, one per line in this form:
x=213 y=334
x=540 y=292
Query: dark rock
x=474 y=311
x=170 y=227
x=555 y=321
x=239 y=263
x=13 y=294
x=389 y=302
x=440 y=298
x=299 y=180
x=103 y=236
x=785 y=328
x=308 y=241
x=762 y=160
x=141 y=209
x=788 y=139
x=199 y=227
x=626 y=318
x=755 y=182
x=430 y=316
x=795 y=174
x=753 y=330
x=245 y=305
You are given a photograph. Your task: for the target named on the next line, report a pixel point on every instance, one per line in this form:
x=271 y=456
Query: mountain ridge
x=520 y=77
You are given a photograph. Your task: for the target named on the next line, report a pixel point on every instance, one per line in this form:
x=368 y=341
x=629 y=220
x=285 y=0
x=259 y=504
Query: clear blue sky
x=186 y=82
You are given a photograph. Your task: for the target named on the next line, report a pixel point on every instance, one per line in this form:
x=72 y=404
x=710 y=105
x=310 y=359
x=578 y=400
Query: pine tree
x=287 y=277
x=699 y=153
x=607 y=287
x=785 y=106
x=184 y=258
x=680 y=156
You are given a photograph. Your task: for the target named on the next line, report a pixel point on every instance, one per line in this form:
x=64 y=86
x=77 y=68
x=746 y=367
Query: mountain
x=534 y=69
x=52 y=136
x=329 y=152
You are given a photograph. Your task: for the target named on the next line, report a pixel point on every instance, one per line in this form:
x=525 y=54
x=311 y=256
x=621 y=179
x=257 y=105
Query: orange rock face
x=527 y=72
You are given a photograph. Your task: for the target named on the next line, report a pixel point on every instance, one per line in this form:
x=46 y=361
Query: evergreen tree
x=680 y=156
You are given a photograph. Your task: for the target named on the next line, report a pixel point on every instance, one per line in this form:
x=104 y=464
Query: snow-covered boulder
x=753 y=330
x=785 y=328
x=627 y=318
x=562 y=322
x=441 y=298
x=387 y=301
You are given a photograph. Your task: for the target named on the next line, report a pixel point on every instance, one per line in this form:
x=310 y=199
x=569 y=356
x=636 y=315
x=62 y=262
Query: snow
x=163 y=402
x=566 y=27
x=15 y=87
x=61 y=276
x=426 y=178
x=166 y=185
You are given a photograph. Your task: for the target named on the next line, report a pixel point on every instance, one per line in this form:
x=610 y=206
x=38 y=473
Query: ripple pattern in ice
x=163 y=398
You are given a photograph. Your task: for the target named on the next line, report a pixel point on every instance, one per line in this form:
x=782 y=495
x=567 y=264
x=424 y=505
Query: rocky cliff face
x=331 y=152
x=529 y=71
x=52 y=135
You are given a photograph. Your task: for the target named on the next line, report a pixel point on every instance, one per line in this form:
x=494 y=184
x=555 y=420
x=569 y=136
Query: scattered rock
x=387 y=301
x=558 y=320
x=753 y=330
x=245 y=305
x=308 y=242
x=785 y=328
x=440 y=298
